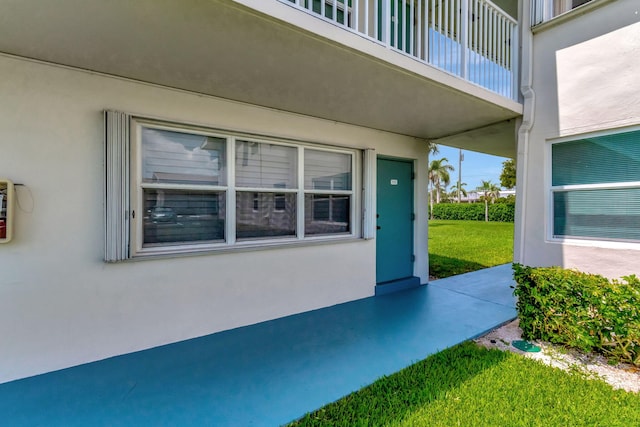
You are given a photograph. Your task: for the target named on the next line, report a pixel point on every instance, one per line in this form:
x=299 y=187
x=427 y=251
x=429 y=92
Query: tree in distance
x=508 y=175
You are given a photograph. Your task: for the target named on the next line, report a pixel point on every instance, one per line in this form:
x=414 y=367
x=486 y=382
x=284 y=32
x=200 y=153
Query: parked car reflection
x=161 y=214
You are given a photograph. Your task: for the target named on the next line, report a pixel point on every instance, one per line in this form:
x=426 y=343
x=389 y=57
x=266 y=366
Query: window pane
x=182 y=158
x=606 y=214
x=261 y=165
x=173 y=216
x=325 y=170
x=265 y=214
x=327 y=214
x=605 y=159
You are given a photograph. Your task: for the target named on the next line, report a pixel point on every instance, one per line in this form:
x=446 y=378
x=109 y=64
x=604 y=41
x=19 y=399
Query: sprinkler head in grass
x=525 y=346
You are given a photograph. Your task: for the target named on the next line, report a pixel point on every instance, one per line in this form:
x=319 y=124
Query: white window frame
x=551 y=189
x=545 y=13
x=136 y=187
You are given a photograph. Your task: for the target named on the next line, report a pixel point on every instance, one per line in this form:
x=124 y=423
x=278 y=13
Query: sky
x=476 y=167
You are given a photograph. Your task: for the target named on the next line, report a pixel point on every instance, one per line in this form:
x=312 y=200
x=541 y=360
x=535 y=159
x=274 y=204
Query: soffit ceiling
x=221 y=48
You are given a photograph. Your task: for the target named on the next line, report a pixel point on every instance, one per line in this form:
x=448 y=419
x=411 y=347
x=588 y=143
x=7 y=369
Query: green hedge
x=580 y=310
x=499 y=212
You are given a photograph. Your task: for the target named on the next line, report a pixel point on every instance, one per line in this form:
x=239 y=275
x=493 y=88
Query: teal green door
x=394 y=235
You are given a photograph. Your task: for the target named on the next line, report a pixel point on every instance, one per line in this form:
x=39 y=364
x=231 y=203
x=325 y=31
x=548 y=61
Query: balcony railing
x=472 y=39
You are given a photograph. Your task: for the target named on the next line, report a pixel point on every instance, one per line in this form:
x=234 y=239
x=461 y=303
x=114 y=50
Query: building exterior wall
x=62 y=305
x=584 y=70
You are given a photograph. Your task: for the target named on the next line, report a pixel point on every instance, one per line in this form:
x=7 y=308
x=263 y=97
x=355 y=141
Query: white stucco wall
x=61 y=305
x=585 y=78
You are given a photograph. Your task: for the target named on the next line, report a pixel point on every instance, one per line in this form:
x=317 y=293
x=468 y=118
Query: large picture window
x=596 y=188
x=195 y=189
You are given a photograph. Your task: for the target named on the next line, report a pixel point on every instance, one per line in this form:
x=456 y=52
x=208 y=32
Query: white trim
x=550 y=21
x=605 y=186
x=300 y=195
x=593 y=134
x=368 y=194
x=174 y=186
x=327 y=192
x=243 y=246
x=230 y=218
x=265 y=190
x=590 y=243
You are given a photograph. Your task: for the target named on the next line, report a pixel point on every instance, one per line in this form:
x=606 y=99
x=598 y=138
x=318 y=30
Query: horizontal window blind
x=612 y=210
x=604 y=159
x=609 y=214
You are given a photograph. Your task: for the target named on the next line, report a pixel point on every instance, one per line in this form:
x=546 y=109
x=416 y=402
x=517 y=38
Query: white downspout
x=524 y=131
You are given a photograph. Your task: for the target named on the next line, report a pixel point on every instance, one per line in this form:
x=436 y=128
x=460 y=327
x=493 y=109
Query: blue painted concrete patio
x=270 y=373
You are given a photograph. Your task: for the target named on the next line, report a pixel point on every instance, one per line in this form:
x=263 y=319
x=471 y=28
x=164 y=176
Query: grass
x=457 y=247
x=471 y=386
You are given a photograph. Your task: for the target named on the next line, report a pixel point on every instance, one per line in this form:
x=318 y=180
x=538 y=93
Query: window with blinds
x=596 y=187
x=195 y=189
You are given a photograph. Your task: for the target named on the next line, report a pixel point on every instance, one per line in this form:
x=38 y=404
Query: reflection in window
x=280 y=202
x=175 y=216
x=182 y=158
x=266 y=220
x=183 y=183
x=328 y=191
x=327 y=214
x=262 y=165
x=325 y=170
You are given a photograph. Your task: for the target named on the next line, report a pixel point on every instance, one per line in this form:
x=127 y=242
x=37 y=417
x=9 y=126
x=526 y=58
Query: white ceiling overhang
x=262 y=52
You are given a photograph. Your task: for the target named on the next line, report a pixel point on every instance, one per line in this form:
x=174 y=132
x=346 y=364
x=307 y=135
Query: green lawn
x=457 y=247
x=470 y=386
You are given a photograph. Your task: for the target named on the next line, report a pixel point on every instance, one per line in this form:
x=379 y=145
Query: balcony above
x=472 y=39
x=424 y=80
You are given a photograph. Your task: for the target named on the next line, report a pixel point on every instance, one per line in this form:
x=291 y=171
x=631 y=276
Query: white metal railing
x=473 y=39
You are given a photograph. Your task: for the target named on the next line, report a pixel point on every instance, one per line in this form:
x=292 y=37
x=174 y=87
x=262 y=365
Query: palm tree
x=490 y=192
x=438 y=177
x=433 y=148
x=454 y=190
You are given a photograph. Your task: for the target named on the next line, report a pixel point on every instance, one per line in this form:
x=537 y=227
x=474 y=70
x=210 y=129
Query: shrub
x=459 y=211
x=579 y=310
x=499 y=211
x=502 y=212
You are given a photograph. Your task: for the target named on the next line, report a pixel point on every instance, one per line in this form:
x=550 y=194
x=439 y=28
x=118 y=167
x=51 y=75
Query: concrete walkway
x=270 y=373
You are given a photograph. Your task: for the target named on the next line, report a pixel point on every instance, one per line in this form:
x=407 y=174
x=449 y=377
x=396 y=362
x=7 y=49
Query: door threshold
x=398 y=285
